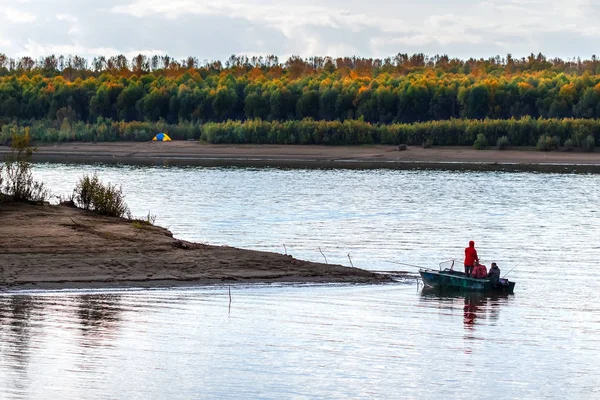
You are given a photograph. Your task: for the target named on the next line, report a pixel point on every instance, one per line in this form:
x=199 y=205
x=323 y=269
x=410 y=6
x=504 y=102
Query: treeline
x=200 y=96
x=73 y=67
x=526 y=131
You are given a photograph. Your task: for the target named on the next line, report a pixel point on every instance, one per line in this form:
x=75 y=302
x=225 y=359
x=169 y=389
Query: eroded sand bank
x=63 y=247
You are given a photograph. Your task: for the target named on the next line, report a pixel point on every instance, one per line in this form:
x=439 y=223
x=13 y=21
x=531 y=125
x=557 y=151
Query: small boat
x=450 y=279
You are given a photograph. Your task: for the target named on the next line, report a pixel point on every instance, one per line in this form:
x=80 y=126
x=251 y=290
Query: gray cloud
x=214 y=30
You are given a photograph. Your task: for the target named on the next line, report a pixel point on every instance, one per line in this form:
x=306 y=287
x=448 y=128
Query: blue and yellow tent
x=161 y=137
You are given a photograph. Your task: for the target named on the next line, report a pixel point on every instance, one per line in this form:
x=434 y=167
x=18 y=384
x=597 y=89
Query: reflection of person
x=494 y=274
x=471 y=308
x=470 y=258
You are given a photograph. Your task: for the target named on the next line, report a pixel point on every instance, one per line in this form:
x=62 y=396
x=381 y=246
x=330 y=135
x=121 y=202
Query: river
x=330 y=341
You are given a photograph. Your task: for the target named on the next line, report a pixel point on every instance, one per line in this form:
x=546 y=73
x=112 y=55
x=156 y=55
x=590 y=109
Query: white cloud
x=67 y=17
x=403 y=25
x=378 y=28
x=286 y=17
x=36 y=50
x=18 y=16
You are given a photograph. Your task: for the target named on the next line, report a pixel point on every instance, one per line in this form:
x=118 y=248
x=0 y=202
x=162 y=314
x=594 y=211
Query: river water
x=330 y=341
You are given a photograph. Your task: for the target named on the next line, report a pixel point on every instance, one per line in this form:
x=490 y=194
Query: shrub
x=568 y=145
x=589 y=143
x=84 y=191
x=502 y=143
x=19 y=183
x=547 y=143
x=109 y=200
x=91 y=194
x=580 y=134
x=481 y=142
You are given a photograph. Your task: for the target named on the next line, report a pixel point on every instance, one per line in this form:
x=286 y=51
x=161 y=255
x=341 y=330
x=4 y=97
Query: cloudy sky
x=215 y=29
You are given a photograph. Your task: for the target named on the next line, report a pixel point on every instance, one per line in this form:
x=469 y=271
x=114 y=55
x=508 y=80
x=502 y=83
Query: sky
x=215 y=29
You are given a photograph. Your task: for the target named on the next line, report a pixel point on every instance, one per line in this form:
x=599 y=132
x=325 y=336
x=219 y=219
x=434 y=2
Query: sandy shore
x=194 y=153
x=55 y=247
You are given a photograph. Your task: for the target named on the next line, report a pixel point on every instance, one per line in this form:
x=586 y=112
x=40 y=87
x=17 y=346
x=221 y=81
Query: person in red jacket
x=479 y=272
x=470 y=258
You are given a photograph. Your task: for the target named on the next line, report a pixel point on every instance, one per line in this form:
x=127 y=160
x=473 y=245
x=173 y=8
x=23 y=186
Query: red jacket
x=480 y=272
x=471 y=254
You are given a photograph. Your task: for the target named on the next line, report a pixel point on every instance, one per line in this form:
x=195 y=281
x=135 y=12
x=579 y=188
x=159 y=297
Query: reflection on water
x=477 y=305
x=15 y=330
x=99 y=319
x=479 y=309
x=74 y=326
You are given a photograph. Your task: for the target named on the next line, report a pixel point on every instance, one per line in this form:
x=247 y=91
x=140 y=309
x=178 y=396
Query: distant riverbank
x=299 y=156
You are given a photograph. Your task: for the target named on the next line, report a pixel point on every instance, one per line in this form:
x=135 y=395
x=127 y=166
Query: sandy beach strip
x=298 y=156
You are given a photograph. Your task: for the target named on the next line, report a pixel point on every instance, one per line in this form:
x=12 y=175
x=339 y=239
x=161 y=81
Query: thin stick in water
x=229 y=309
x=323 y=256
x=285 y=248
x=350 y=260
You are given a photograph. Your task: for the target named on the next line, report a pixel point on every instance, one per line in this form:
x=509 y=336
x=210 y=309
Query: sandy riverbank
x=194 y=153
x=55 y=247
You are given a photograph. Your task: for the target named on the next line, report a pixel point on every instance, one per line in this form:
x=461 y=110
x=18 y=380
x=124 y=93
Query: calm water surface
x=278 y=341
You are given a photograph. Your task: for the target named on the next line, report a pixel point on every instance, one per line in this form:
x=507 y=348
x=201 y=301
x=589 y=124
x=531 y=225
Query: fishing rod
x=510 y=271
x=409 y=265
x=418 y=266
x=405 y=264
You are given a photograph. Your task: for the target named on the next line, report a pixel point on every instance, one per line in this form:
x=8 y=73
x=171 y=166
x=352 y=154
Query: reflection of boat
x=433 y=293
x=476 y=305
x=455 y=280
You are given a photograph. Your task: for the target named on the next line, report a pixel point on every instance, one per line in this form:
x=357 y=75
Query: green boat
x=456 y=280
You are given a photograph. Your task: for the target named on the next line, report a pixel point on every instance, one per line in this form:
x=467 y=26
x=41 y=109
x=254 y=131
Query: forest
x=71 y=98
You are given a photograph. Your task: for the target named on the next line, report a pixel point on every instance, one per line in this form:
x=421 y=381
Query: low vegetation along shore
x=91 y=241
x=544 y=134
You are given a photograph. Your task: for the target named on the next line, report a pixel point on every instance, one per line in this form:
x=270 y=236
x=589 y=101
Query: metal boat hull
x=458 y=281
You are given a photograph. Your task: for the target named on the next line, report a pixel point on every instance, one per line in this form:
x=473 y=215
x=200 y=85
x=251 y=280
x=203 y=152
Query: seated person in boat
x=494 y=274
x=479 y=271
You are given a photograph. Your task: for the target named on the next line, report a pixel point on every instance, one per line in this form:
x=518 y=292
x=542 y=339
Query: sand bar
x=57 y=247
